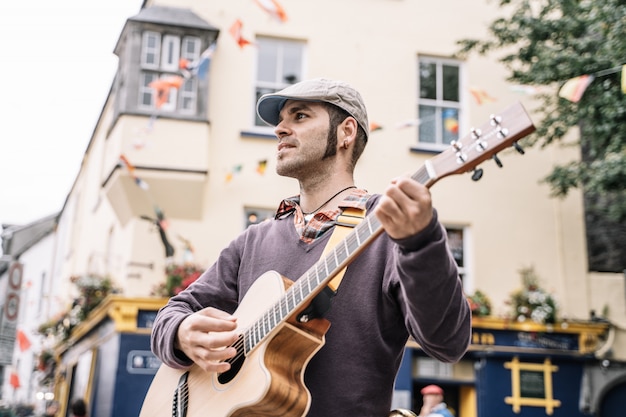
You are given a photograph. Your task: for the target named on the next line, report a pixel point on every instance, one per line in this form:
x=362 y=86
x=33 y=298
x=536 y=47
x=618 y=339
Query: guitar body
x=270 y=381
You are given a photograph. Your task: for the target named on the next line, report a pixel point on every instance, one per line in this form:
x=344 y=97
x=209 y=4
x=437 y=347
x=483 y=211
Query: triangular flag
x=374 y=127
x=261 y=166
x=22 y=341
x=408 y=123
x=235 y=31
x=273 y=8
x=481 y=96
x=624 y=78
x=574 y=88
x=15 y=380
x=201 y=67
x=162 y=88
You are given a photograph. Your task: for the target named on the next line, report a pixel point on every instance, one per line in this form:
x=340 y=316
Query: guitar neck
x=499 y=132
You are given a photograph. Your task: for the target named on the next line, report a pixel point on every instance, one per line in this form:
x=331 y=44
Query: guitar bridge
x=180 y=402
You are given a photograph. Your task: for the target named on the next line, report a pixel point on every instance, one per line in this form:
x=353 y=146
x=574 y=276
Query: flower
x=92 y=289
x=480 y=305
x=178 y=278
x=531 y=301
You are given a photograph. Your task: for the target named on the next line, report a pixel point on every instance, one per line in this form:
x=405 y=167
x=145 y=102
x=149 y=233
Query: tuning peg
x=518 y=148
x=497 y=160
x=478 y=174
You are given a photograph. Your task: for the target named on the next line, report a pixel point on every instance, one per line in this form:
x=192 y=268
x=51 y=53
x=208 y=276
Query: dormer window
x=150 y=81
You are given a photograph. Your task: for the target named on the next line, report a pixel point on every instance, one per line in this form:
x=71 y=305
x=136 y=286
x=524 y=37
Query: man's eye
x=300 y=116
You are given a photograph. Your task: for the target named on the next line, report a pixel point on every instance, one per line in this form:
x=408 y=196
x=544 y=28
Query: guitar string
x=352 y=239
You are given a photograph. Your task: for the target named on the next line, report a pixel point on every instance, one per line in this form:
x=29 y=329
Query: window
x=171 y=53
x=439 y=105
x=279 y=64
x=160 y=58
x=457 y=241
x=257 y=215
x=150 y=50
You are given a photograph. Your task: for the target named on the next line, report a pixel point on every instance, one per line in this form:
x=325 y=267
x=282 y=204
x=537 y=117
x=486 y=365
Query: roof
x=173 y=16
x=17 y=239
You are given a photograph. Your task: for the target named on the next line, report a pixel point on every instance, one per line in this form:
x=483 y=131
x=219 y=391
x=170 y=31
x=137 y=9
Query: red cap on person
x=432 y=389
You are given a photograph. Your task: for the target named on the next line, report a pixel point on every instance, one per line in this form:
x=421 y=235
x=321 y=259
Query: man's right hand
x=206 y=338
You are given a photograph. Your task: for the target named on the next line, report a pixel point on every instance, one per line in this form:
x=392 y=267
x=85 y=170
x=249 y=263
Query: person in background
x=433 y=402
x=78 y=408
x=404 y=284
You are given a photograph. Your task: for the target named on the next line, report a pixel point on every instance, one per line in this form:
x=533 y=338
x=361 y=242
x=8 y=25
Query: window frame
x=147 y=50
x=267 y=86
x=464 y=270
x=170 y=53
x=439 y=103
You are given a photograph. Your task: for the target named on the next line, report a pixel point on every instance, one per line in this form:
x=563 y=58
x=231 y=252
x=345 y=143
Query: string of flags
x=235 y=170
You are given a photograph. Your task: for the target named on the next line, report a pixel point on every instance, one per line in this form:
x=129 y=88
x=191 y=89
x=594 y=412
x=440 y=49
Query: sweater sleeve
x=216 y=287
x=431 y=295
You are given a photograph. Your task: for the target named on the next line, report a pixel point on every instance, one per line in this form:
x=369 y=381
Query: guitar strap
x=346 y=221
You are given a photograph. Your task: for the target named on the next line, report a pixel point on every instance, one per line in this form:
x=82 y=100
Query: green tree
x=544 y=43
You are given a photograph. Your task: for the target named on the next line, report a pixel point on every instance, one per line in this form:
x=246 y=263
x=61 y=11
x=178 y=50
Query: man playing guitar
x=403 y=284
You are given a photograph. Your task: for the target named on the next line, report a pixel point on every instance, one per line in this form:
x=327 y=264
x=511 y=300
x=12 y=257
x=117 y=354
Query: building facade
x=179 y=164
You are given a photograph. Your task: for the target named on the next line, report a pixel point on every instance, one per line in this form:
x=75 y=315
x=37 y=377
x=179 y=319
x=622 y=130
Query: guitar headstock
x=501 y=131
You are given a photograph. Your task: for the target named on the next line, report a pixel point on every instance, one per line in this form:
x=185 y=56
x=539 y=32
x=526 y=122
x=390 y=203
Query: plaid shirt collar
x=322 y=220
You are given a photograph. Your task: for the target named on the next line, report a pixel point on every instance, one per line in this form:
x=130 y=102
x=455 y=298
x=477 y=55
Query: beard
x=308 y=159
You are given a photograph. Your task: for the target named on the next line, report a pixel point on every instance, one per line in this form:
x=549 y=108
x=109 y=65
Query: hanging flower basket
x=480 y=305
x=177 y=278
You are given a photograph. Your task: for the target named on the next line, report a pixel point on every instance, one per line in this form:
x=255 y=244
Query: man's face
x=432 y=400
x=302 y=134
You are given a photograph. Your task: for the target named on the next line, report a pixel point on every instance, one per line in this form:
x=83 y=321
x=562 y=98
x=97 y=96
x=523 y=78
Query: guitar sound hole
x=235 y=363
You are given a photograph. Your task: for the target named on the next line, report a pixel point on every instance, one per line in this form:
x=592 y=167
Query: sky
x=57 y=66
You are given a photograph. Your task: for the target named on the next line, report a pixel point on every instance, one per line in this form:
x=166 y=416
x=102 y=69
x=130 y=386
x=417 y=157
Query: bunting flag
x=14 y=380
x=525 y=89
x=234 y=171
x=131 y=170
x=273 y=8
x=374 y=127
x=163 y=86
x=624 y=78
x=200 y=66
x=23 y=341
x=408 y=123
x=481 y=96
x=235 y=31
x=261 y=167
x=574 y=88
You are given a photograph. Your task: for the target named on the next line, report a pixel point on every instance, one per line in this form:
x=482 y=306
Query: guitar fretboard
x=313 y=280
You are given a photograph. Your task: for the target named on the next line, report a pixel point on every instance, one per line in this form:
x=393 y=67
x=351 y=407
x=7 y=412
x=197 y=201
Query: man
x=433 y=402
x=405 y=283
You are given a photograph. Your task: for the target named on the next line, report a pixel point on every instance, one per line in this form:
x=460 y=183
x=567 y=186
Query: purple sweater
x=393 y=290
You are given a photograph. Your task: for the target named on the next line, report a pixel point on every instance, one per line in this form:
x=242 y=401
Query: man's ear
x=348 y=130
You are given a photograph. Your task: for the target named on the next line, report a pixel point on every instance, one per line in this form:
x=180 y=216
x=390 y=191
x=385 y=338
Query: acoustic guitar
x=276 y=341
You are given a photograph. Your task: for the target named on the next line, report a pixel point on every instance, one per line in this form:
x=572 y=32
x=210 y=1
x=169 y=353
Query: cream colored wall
x=373 y=44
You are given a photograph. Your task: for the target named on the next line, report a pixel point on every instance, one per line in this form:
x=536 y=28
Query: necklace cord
x=329 y=200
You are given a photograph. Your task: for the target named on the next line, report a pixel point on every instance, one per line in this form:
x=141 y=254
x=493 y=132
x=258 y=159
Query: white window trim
x=170 y=48
x=183 y=51
x=145 y=50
